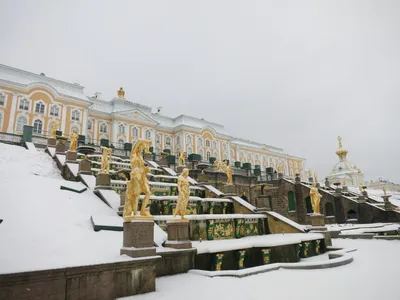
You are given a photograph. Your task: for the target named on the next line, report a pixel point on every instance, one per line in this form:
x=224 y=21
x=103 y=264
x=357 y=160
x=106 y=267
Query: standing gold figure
x=53 y=130
x=224 y=167
x=105 y=160
x=74 y=141
x=121 y=93
x=315 y=198
x=309 y=173
x=184 y=193
x=138 y=183
x=182 y=156
x=280 y=168
x=315 y=177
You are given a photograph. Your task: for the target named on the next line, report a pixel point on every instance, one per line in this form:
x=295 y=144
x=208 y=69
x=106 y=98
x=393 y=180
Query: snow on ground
x=374 y=274
x=43 y=226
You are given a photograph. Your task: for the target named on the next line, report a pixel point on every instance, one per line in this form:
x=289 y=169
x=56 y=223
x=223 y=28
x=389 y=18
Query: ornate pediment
x=136 y=115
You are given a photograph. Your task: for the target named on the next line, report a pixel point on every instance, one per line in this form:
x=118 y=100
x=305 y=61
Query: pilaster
x=14 y=104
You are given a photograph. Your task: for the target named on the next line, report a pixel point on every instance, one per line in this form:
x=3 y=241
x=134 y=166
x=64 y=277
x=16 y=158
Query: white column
x=114 y=132
x=84 y=121
x=64 y=118
x=14 y=103
x=95 y=130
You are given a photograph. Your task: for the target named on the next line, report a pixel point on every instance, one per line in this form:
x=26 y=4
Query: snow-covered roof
x=24 y=78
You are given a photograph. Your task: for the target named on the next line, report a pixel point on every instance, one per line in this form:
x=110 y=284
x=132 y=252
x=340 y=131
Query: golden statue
x=138 y=183
x=53 y=130
x=184 y=193
x=182 y=157
x=224 y=167
x=309 y=173
x=315 y=198
x=74 y=141
x=280 y=168
x=340 y=142
x=344 y=181
x=384 y=191
x=360 y=188
x=105 y=160
x=121 y=93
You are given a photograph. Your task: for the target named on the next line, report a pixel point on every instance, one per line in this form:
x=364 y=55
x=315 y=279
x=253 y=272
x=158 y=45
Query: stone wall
x=175 y=262
x=105 y=281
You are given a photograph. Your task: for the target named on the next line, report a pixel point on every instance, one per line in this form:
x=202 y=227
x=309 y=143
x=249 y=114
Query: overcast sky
x=293 y=74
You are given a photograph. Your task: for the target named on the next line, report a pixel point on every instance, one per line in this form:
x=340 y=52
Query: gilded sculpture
x=182 y=157
x=315 y=198
x=105 y=160
x=121 y=93
x=340 y=142
x=344 y=181
x=315 y=177
x=224 y=167
x=280 y=168
x=384 y=191
x=138 y=183
x=309 y=173
x=74 y=141
x=53 y=130
x=184 y=193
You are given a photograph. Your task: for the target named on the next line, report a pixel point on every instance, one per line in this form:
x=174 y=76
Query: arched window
x=189 y=139
x=208 y=144
x=135 y=132
x=224 y=147
x=103 y=128
x=158 y=138
x=148 y=134
x=39 y=108
x=208 y=155
x=200 y=142
x=37 y=126
x=89 y=125
x=329 y=210
x=295 y=165
x=2 y=99
x=21 y=122
x=352 y=214
x=24 y=104
x=75 y=115
x=216 y=155
x=189 y=150
x=168 y=140
x=292 y=202
x=248 y=157
x=54 y=110
x=214 y=144
x=121 y=129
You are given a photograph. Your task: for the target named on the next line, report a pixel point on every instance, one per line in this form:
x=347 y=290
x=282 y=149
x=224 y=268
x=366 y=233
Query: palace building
x=37 y=100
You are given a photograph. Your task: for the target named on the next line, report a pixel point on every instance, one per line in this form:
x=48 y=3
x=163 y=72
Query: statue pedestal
x=388 y=205
x=280 y=175
x=148 y=156
x=51 y=142
x=229 y=189
x=361 y=199
x=71 y=156
x=163 y=162
x=179 y=169
x=203 y=178
x=318 y=222
x=178 y=234
x=103 y=181
x=60 y=147
x=85 y=167
x=138 y=238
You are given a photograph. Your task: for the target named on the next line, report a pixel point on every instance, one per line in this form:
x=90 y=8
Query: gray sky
x=294 y=74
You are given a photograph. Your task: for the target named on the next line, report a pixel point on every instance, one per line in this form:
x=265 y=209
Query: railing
x=10 y=138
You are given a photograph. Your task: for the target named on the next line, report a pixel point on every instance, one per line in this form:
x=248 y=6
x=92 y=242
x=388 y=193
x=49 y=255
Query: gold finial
x=340 y=142
x=384 y=191
x=121 y=93
x=344 y=181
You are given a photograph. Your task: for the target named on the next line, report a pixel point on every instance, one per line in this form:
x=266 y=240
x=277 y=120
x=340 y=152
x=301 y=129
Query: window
x=224 y=147
x=37 y=126
x=135 y=132
x=75 y=115
x=121 y=129
x=208 y=143
x=214 y=144
x=233 y=155
x=189 y=139
x=89 y=125
x=2 y=99
x=178 y=140
x=208 y=155
x=200 y=142
x=290 y=163
x=39 y=108
x=21 y=122
x=216 y=155
x=103 y=128
x=295 y=165
x=24 y=104
x=189 y=151
x=248 y=157
x=158 y=138
x=168 y=140
x=292 y=202
x=54 y=110
x=148 y=134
